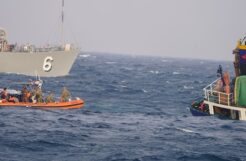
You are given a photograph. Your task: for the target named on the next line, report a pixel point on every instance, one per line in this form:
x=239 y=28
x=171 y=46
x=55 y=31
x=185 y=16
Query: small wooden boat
x=74 y=104
x=196 y=109
x=198 y=112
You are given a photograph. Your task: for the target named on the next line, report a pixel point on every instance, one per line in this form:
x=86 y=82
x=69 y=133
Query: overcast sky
x=175 y=28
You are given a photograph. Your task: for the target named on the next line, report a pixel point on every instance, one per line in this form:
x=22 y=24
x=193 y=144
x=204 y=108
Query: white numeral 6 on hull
x=47 y=66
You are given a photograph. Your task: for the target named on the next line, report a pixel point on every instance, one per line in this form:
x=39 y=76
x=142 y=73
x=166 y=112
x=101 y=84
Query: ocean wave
x=186 y=130
x=145 y=91
x=154 y=72
x=188 y=87
x=176 y=73
x=127 y=68
x=85 y=55
x=110 y=62
x=164 y=60
x=123 y=86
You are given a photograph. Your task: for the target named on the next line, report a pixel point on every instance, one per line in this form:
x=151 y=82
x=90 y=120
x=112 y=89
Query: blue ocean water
x=135 y=110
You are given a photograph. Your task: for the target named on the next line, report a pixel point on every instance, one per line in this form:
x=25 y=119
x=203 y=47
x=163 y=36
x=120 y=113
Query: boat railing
x=32 y=49
x=212 y=95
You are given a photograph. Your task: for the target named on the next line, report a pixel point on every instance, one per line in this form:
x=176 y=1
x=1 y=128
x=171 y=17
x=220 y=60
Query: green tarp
x=240 y=91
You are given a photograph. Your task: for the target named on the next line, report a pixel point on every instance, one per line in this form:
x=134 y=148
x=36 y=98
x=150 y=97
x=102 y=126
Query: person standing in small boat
x=50 y=98
x=25 y=94
x=65 y=95
x=38 y=94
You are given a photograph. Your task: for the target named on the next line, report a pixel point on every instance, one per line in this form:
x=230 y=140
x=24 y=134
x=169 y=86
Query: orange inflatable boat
x=78 y=103
x=17 y=98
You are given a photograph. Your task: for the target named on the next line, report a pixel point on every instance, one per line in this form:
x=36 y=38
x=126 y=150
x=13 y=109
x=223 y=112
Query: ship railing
x=210 y=94
x=48 y=48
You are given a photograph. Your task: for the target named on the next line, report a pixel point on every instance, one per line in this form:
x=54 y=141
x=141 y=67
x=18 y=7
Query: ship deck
x=222 y=104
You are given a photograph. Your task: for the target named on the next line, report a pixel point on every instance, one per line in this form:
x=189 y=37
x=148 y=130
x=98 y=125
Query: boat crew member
x=25 y=94
x=219 y=86
x=50 y=98
x=4 y=95
x=65 y=95
x=38 y=94
x=13 y=99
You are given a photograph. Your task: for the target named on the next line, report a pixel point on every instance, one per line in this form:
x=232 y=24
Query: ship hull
x=75 y=104
x=44 y=64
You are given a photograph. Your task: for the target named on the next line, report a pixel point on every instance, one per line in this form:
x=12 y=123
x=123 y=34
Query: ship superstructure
x=27 y=59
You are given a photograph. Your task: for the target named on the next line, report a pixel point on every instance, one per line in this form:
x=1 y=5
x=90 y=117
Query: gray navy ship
x=48 y=61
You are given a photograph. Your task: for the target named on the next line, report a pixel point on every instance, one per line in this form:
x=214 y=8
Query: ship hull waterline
x=75 y=104
x=44 y=64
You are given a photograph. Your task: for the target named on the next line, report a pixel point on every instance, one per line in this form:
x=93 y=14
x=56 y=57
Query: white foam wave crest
x=154 y=72
x=186 y=130
x=85 y=55
x=164 y=60
x=144 y=91
x=176 y=73
x=110 y=62
x=188 y=87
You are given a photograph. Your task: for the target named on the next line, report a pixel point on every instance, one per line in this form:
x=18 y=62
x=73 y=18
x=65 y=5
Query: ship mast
x=62 y=21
